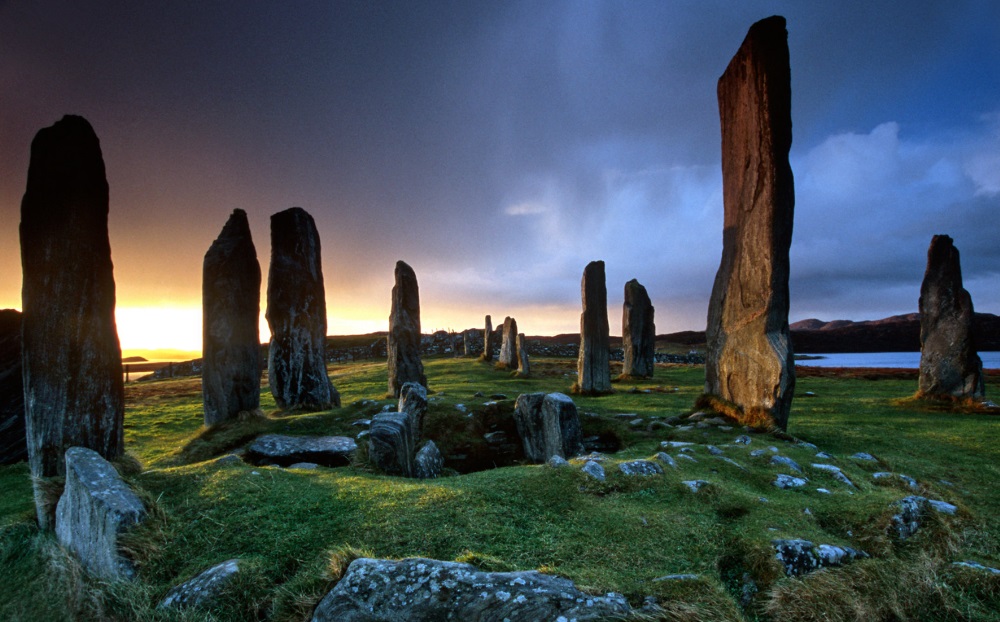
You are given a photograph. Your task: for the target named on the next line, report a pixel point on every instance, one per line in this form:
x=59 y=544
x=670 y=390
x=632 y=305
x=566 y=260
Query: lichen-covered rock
x=404 y=331
x=788 y=481
x=749 y=353
x=548 y=425
x=230 y=301
x=523 y=366
x=594 y=469
x=557 y=462
x=95 y=509
x=799 y=557
x=906 y=479
x=296 y=315
x=391 y=444
x=426 y=589
x=282 y=450
x=204 y=589
x=594 y=362
x=835 y=472
x=13 y=445
x=666 y=459
x=866 y=457
x=428 y=463
x=949 y=364
x=638 y=332
x=508 y=346
x=786 y=462
x=413 y=402
x=640 y=467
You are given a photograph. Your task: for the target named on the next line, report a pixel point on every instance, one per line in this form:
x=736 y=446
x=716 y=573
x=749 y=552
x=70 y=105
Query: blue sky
x=498 y=147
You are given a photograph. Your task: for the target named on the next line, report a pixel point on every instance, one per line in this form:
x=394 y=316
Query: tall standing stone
x=749 y=355
x=296 y=315
x=594 y=363
x=404 y=331
x=523 y=367
x=73 y=388
x=488 y=340
x=13 y=446
x=508 y=347
x=638 y=332
x=230 y=304
x=949 y=364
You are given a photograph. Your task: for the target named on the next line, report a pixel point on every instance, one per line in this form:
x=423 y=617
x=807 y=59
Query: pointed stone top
x=635 y=292
x=237 y=226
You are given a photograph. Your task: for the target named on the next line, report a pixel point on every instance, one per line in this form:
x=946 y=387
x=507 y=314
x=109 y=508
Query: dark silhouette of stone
x=508 y=347
x=230 y=302
x=13 y=446
x=391 y=443
x=548 y=425
x=949 y=364
x=523 y=367
x=404 y=331
x=72 y=360
x=594 y=362
x=638 y=332
x=488 y=340
x=749 y=354
x=296 y=315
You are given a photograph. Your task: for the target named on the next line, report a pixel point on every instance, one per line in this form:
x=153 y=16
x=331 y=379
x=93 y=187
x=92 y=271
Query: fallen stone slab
x=204 y=589
x=282 y=450
x=95 y=509
x=799 y=557
x=427 y=589
x=640 y=468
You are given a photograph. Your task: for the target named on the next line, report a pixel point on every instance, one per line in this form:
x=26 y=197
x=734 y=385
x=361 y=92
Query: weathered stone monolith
x=508 y=347
x=296 y=315
x=230 y=304
x=594 y=363
x=13 y=446
x=488 y=340
x=404 y=331
x=949 y=364
x=73 y=387
x=523 y=368
x=749 y=354
x=638 y=332
x=548 y=425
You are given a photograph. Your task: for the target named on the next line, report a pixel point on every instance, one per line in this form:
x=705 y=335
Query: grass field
x=295 y=529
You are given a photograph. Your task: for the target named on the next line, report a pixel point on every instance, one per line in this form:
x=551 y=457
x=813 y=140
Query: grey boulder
x=282 y=450
x=204 y=589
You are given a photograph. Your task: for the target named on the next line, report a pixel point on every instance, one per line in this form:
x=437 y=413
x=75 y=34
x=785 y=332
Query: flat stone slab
x=282 y=450
x=203 y=589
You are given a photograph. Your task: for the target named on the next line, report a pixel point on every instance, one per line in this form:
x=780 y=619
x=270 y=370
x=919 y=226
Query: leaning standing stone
x=72 y=360
x=404 y=331
x=638 y=332
x=949 y=364
x=13 y=447
x=296 y=315
x=523 y=368
x=230 y=300
x=508 y=348
x=594 y=364
x=749 y=355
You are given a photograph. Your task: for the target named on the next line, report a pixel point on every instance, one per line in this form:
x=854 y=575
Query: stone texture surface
x=428 y=463
x=404 y=331
x=786 y=462
x=427 y=589
x=784 y=481
x=799 y=557
x=523 y=366
x=594 y=469
x=96 y=508
x=203 y=589
x=949 y=364
x=413 y=402
x=638 y=332
x=391 y=443
x=508 y=346
x=296 y=315
x=230 y=302
x=72 y=371
x=749 y=354
x=13 y=445
x=488 y=340
x=549 y=425
x=282 y=450
x=594 y=363
x=640 y=467
x=911 y=511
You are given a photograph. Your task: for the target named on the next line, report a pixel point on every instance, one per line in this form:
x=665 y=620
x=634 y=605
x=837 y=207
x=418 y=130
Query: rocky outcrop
x=749 y=355
x=799 y=557
x=548 y=425
x=204 y=589
x=593 y=363
x=13 y=446
x=488 y=340
x=282 y=450
x=523 y=366
x=404 y=331
x=73 y=391
x=638 y=332
x=508 y=347
x=391 y=443
x=296 y=315
x=949 y=364
x=643 y=468
x=95 y=509
x=230 y=301
x=428 y=463
x=427 y=589
x=413 y=402
x=911 y=512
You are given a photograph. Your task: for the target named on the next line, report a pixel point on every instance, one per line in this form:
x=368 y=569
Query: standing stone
x=13 y=446
x=391 y=443
x=594 y=363
x=523 y=370
x=549 y=425
x=404 y=331
x=230 y=301
x=508 y=347
x=749 y=354
x=488 y=340
x=296 y=315
x=638 y=332
x=413 y=402
x=949 y=364
x=73 y=388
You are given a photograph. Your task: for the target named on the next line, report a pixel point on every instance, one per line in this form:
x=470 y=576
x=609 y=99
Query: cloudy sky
x=497 y=147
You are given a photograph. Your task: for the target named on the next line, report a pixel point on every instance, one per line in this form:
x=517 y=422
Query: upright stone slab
x=749 y=354
x=72 y=361
x=594 y=363
x=548 y=425
x=296 y=315
x=13 y=446
x=488 y=340
x=949 y=364
x=413 y=402
x=404 y=331
x=230 y=304
x=391 y=443
x=523 y=367
x=508 y=347
x=638 y=332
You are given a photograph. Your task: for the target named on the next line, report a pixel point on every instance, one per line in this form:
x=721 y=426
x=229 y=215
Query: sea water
x=910 y=360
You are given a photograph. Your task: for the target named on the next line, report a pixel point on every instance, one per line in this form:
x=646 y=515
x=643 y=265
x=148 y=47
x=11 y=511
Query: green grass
x=296 y=529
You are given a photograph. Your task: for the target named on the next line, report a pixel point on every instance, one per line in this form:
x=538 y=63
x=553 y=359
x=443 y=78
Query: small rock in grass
x=836 y=472
x=557 y=461
x=726 y=428
x=758 y=452
x=823 y=491
x=685 y=428
x=202 y=589
x=594 y=470
x=640 y=467
x=806 y=445
x=968 y=564
x=362 y=423
x=715 y=451
x=864 y=456
x=788 y=462
x=686 y=457
x=666 y=459
x=808 y=394
x=789 y=481
x=677 y=577
x=824 y=456
x=304 y=465
x=635 y=423
x=695 y=485
x=943 y=507
x=674 y=444
x=802 y=556
x=742 y=439
x=734 y=463
x=687 y=450
x=625 y=416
